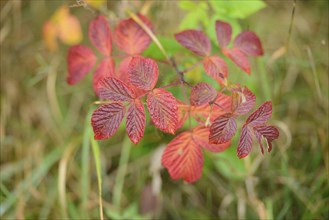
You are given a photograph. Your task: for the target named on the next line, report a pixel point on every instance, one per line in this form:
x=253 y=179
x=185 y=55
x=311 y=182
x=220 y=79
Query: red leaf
x=143 y=73
x=249 y=43
x=163 y=110
x=245 y=101
x=223 y=33
x=130 y=37
x=104 y=69
x=261 y=115
x=270 y=133
x=215 y=67
x=222 y=129
x=239 y=58
x=80 y=61
x=115 y=90
x=122 y=74
x=202 y=93
x=135 y=124
x=100 y=35
x=201 y=136
x=183 y=158
x=245 y=142
x=195 y=41
x=106 y=120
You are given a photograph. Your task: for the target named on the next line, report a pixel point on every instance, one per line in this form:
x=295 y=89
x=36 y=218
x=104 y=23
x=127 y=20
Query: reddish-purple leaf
x=130 y=37
x=100 y=35
x=202 y=93
x=183 y=158
x=135 y=124
x=143 y=73
x=115 y=90
x=201 y=137
x=80 y=60
x=239 y=58
x=222 y=129
x=249 y=43
x=163 y=110
x=245 y=142
x=104 y=69
x=261 y=115
x=270 y=133
x=195 y=41
x=223 y=33
x=106 y=120
x=245 y=101
x=215 y=67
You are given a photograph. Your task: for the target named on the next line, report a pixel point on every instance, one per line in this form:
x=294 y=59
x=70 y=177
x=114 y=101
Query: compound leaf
x=135 y=124
x=106 y=120
x=195 y=41
x=183 y=158
x=115 y=90
x=222 y=129
x=130 y=37
x=163 y=110
x=202 y=93
x=80 y=60
x=249 y=43
x=100 y=35
x=223 y=33
x=143 y=73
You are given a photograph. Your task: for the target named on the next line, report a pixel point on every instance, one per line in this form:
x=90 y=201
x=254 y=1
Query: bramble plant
x=126 y=91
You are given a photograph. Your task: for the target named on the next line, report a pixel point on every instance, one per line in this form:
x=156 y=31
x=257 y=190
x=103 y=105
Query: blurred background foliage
x=47 y=165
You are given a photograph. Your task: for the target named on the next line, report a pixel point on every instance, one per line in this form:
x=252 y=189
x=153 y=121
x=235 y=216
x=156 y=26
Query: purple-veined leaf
x=163 y=110
x=261 y=115
x=222 y=129
x=135 y=124
x=245 y=142
x=244 y=101
x=143 y=73
x=115 y=90
x=106 y=120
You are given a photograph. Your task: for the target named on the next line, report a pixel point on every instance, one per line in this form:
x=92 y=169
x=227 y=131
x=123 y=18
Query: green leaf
x=237 y=8
x=230 y=165
x=169 y=44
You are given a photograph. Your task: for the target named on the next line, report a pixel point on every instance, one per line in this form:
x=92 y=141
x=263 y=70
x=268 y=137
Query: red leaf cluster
x=124 y=92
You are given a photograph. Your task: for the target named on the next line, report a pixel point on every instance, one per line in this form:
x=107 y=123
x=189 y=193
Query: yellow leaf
x=64 y=26
x=95 y=3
